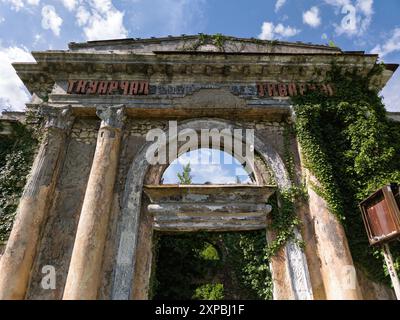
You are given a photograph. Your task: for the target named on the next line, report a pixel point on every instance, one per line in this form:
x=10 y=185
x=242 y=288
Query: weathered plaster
x=129 y=221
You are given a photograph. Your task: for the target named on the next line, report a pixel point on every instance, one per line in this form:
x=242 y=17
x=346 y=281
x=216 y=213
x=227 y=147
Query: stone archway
x=289 y=269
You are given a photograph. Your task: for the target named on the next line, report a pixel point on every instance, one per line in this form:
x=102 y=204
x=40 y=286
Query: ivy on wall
x=353 y=149
x=217 y=40
x=284 y=219
x=16 y=156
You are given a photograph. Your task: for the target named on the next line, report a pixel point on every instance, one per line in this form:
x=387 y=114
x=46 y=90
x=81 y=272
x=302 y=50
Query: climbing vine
x=16 y=156
x=284 y=219
x=352 y=149
x=217 y=40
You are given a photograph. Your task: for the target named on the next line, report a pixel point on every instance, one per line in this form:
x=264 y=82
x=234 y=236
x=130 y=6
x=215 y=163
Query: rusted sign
x=102 y=87
x=381 y=214
x=291 y=89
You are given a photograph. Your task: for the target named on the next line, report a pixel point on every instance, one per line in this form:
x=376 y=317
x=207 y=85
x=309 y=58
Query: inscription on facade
x=291 y=89
x=133 y=88
x=102 y=87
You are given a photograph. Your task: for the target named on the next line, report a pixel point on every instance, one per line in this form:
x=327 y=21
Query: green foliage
x=217 y=40
x=16 y=156
x=230 y=265
x=209 y=291
x=185 y=177
x=247 y=254
x=209 y=253
x=332 y=44
x=352 y=149
x=283 y=218
x=288 y=134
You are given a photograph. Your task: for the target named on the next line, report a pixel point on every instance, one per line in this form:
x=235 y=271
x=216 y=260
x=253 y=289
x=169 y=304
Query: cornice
x=51 y=66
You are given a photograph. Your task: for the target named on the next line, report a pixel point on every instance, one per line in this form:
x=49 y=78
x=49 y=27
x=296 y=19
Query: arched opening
x=210 y=265
x=135 y=258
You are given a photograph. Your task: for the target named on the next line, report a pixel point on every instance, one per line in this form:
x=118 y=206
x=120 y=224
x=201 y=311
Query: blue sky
x=208 y=165
x=26 y=25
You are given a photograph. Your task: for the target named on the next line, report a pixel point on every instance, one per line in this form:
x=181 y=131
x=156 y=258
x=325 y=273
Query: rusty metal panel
x=381 y=214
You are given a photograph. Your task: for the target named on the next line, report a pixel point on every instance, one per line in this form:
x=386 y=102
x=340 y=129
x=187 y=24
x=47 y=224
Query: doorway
x=211 y=266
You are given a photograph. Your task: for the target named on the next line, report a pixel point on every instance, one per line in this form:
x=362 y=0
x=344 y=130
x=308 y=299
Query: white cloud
x=269 y=31
x=12 y=90
x=391 y=45
x=171 y=17
x=51 y=20
x=312 y=18
x=356 y=17
x=70 y=4
x=391 y=93
x=101 y=20
x=19 y=4
x=285 y=32
x=366 y=6
x=15 y=4
x=82 y=16
x=337 y=3
x=108 y=26
x=279 y=4
x=38 y=38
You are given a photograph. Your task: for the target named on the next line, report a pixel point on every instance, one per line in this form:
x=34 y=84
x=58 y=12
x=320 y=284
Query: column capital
x=111 y=116
x=56 y=117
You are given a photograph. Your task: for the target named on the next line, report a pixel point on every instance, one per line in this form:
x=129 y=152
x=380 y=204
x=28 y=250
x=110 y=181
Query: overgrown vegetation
x=353 y=149
x=284 y=219
x=16 y=157
x=217 y=40
x=212 y=266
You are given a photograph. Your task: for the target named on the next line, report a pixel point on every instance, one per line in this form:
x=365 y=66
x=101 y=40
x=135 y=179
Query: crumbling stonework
x=94 y=200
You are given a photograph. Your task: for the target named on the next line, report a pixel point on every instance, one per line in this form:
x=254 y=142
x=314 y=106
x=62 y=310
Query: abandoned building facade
x=92 y=201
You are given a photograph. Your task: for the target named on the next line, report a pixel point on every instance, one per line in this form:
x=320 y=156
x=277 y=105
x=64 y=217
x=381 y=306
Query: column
x=33 y=209
x=83 y=278
x=337 y=267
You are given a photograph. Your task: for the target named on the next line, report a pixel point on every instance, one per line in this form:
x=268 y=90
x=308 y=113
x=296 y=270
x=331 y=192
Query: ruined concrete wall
x=394 y=116
x=59 y=234
x=133 y=140
x=208 y=43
